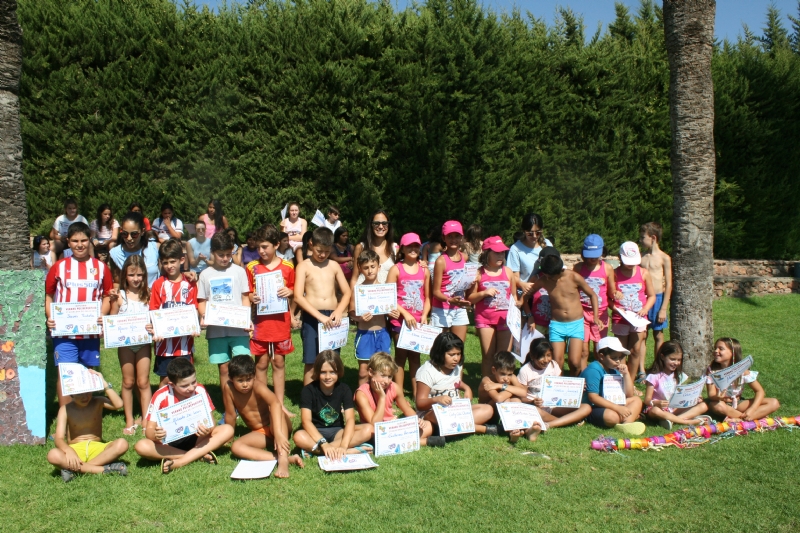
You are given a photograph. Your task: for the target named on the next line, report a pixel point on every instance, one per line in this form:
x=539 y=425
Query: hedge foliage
x=442 y=111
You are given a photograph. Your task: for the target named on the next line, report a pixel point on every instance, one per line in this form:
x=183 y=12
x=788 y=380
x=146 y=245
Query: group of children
x=578 y=300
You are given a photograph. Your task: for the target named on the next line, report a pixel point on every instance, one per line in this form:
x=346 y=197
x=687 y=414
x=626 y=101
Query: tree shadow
x=752 y=302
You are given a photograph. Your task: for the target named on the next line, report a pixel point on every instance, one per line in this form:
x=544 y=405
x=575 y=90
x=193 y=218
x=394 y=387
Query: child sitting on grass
x=374 y=399
x=501 y=385
x=263 y=414
x=84 y=451
x=182 y=385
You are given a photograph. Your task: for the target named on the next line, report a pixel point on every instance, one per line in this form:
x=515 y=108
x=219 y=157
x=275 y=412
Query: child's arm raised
x=111 y=401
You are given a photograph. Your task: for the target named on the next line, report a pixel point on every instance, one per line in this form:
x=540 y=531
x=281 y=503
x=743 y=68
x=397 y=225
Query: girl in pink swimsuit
x=600 y=277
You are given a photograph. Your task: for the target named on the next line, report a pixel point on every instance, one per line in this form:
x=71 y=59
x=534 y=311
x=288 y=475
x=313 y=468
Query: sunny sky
x=730 y=13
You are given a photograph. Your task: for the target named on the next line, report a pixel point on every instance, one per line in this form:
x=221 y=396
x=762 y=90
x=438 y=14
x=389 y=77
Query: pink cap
x=452 y=226
x=629 y=254
x=494 y=244
x=410 y=238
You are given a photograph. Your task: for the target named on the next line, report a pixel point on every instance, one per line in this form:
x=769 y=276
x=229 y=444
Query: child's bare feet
x=297 y=461
x=514 y=435
x=288 y=412
x=283 y=466
x=533 y=432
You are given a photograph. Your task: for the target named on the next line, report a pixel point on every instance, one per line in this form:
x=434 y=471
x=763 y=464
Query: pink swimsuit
x=492 y=310
x=598 y=281
x=633 y=292
x=410 y=293
x=453 y=274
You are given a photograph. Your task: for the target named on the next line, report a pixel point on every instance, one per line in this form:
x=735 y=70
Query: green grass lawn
x=474 y=484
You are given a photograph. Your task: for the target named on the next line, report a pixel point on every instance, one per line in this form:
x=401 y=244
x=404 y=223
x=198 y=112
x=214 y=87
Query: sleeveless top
x=410 y=293
x=598 y=281
x=391 y=396
x=38 y=259
x=348 y=252
x=432 y=257
x=129 y=306
x=454 y=272
x=211 y=227
x=632 y=289
x=293 y=229
x=493 y=309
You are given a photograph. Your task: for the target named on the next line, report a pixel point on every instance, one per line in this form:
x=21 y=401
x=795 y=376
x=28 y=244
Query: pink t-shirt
x=663 y=385
x=391 y=396
x=532 y=378
x=494 y=309
x=598 y=281
x=452 y=276
x=410 y=292
x=633 y=291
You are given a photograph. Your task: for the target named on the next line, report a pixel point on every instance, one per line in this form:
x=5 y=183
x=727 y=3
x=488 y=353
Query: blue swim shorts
x=83 y=351
x=652 y=315
x=563 y=331
x=370 y=342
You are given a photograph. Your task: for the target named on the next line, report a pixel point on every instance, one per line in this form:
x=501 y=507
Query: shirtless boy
x=659 y=265
x=315 y=293
x=566 y=326
x=263 y=414
x=371 y=335
x=84 y=451
x=501 y=385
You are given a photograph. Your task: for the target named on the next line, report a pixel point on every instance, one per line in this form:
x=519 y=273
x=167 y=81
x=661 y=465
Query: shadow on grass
x=752 y=302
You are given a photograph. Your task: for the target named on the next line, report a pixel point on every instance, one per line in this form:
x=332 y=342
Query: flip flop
x=130 y=430
x=212 y=461
x=641 y=378
x=364 y=448
x=168 y=464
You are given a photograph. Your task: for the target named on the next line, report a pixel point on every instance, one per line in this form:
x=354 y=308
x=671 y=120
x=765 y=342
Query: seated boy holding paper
x=200 y=446
x=84 y=451
x=501 y=385
x=605 y=413
x=371 y=336
x=262 y=413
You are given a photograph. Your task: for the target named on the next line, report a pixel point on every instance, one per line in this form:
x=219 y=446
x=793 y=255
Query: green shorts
x=221 y=349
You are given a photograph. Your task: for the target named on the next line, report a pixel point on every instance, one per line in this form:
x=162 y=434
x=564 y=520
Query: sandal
x=168 y=464
x=212 y=460
x=641 y=378
x=67 y=475
x=116 y=468
x=130 y=430
x=364 y=448
x=491 y=430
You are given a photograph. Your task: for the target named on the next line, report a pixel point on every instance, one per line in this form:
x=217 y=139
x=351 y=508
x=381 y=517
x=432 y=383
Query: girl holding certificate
x=449 y=306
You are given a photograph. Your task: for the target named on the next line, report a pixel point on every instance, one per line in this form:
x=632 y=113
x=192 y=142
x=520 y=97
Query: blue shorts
x=652 y=315
x=370 y=342
x=310 y=336
x=83 y=351
x=222 y=349
x=160 y=364
x=595 y=418
x=564 y=331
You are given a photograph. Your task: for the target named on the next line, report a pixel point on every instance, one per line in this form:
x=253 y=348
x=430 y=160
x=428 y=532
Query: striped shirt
x=165 y=396
x=166 y=294
x=72 y=281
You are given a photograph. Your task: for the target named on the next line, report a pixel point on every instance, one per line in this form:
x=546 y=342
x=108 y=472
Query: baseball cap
x=452 y=226
x=494 y=244
x=629 y=254
x=612 y=343
x=593 y=246
x=410 y=238
x=551 y=267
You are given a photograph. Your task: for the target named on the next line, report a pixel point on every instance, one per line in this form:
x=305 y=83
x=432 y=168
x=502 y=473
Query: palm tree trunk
x=15 y=253
x=689 y=34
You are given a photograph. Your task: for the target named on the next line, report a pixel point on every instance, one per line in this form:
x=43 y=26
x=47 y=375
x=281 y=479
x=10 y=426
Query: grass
x=477 y=483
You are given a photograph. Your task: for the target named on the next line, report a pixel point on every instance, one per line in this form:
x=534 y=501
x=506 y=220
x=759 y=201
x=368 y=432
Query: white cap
x=613 y=343
x=629 y=254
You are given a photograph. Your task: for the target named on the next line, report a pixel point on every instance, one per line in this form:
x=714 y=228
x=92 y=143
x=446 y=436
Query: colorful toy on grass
x=693 y=436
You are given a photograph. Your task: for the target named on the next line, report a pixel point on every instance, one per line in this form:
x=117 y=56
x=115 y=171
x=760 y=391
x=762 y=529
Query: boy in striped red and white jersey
x=78 y=278
x=171 y=289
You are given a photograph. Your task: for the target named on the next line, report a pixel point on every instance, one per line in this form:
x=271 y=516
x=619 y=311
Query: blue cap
x=593 y=246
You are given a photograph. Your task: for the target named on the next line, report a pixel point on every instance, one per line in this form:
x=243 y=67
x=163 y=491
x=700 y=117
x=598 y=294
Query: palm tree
x=14 y=251
x=689 y=35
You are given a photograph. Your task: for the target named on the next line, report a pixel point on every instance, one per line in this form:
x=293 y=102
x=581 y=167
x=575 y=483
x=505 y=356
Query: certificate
x=686 y=395
x=319 y=219
x=75 y=318
x=126 y=330
x=76 y=379
x=184 y=418
x=397 y=436
x=514 y=322
x=723 y=378
x=253 y=469
x=377 y=299
x=632 y=318
x=558 y=391
x=517 y=415
x=360 y=461
x=456 y=418
x=267 y=287
x=419 y=339
x=176 y=321
x=614 y=389
x=463 y=279
x=525 y=343
x=228 y=315
x=334 y=338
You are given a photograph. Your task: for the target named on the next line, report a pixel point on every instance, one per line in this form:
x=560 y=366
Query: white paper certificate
x=360 y=461
x=558 y=391
x=528 y=337
x=267 y=287
x=687 y=395
x=377 y=299
x=319 y=219
x=75 y=318
x=253 y=469
x=514 y=322
x=516 y=415
x=723 y=378
x=184 y=418
x=176 y=321
x=397 y=436
x=455 y=419
x=228 y=315
x=419 y=339
x=334 y=338
x=614 y=389
x=633 y=319
x=76 y=379
x=126 y=330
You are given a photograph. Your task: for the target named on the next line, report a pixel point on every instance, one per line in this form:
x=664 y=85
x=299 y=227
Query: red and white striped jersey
x=165 y=396
x=72 y=281
x=165 y=294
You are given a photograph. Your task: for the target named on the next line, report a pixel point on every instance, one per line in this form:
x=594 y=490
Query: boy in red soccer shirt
x=272 y=334
x=79 y=278
x=171 y=290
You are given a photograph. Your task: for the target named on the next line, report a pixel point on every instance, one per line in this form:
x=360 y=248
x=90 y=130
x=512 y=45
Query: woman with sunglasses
x=378 y=237
x=523 y=254
x=133 y=241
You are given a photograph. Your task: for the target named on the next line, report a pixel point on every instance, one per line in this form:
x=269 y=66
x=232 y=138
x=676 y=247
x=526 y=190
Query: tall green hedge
x=443 y=111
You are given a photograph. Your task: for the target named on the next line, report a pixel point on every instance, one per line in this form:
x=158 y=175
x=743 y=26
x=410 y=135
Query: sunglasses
x=533 y=233
x=132 y=234
x=376 y=224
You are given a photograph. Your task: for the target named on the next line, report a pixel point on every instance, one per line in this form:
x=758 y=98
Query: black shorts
x=329 y=433
x=160 y=364
x=186 y=443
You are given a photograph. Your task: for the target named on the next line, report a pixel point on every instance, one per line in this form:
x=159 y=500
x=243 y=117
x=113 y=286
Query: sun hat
x=452 y=226
x=494 y=244
x=410 y=238
x=629 y=254
x=592 y=246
